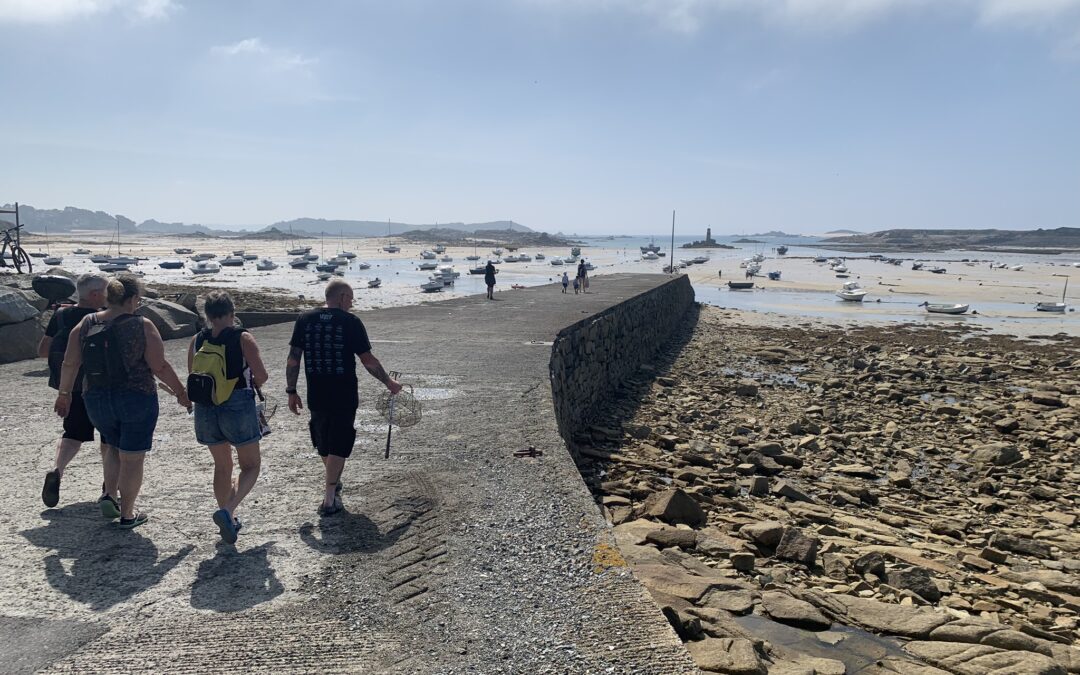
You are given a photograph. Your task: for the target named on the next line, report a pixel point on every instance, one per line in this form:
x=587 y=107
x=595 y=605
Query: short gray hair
x=90 y=282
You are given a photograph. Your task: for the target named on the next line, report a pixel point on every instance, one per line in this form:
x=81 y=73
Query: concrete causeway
x=453 y=555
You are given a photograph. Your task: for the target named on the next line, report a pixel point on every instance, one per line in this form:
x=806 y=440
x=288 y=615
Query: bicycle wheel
x=19 y=257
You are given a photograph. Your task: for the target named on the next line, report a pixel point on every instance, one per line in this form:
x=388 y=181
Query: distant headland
x=1059 y=240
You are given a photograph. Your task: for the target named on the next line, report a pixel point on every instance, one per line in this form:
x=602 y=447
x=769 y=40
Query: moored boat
x=374 y=283
x=266 y=264
x=1050 y=306
x=233 y=261
x=740 y=285
x=851 y=291
x=171 y=264
x=205 y=267
x=939 y=308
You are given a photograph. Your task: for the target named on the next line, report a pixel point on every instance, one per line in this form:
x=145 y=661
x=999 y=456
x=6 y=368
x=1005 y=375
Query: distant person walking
x=583 y=276
x=120 y=354
x=489 y=279
x=78 y=428
x=565 y=281
x=224 y=370
x=328 y=339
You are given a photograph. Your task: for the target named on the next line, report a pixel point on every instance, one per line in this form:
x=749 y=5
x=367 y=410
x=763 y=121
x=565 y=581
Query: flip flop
x=133 y=522
x=110 y=508
x=225 y=525
x=50 y=492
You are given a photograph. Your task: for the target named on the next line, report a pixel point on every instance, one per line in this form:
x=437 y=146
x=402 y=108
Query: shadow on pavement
x=347 y=532
x=107 y=565
x=233 y=581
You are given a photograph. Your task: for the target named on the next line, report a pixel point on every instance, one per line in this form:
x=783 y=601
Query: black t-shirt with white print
x=331 y=339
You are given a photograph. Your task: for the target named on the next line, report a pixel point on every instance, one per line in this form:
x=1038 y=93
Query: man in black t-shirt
x=329 y=339
x=77 y=426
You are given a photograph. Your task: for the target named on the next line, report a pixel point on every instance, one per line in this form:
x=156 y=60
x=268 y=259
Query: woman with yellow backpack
x=224 y=370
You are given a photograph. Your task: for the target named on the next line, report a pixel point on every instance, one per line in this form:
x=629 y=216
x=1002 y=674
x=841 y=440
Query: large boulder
x=786 y=609
x=172 y=320
x=997 y=454
x=14 y=306
x=19 y=341
x=674 y=507
x=969 y=659
x=727 y=655
x=797 y=546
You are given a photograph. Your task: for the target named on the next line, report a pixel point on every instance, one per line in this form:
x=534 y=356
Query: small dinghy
x=740 y=285
x=935 y=308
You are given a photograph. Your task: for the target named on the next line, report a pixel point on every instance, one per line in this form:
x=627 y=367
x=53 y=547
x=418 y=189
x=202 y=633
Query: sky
x=586 y=116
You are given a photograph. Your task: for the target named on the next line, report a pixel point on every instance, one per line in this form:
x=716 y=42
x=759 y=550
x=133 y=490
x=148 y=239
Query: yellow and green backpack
x=217 y=367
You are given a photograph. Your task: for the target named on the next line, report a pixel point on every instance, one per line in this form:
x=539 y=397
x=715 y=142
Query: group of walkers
x=581 y=281
x=104 y=360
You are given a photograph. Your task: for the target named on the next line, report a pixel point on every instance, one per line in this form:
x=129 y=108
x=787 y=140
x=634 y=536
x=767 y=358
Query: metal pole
x=671 y=260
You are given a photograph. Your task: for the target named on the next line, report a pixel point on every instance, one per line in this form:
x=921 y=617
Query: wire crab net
x=401 y=409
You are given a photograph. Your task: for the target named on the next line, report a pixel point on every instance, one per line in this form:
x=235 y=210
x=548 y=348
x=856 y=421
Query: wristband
x=290 y=391
x=64 y=393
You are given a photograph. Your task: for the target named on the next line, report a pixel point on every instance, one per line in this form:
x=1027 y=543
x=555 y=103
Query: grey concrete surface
x=453 y=556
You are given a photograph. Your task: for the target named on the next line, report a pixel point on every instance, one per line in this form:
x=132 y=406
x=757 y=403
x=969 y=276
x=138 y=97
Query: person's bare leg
x=131 y=477
x=250 y=461
x=223 y=468
x=66 y=449
x=334 y=468
x=110 y=465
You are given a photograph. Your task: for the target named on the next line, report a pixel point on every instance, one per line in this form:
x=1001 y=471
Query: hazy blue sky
x=572 y=115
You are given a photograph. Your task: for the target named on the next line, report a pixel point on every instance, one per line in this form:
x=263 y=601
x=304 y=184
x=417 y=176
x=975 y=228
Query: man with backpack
x=225 y=370
x=329 y=339
x=78 y=428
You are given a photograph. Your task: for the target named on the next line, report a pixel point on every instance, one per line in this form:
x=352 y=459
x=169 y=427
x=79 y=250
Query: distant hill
x=72 y=218
x=778 y=233
x=842 y=232
x=1063 y=238
x=370 y=228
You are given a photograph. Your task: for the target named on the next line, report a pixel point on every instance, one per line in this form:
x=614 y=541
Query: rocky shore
x=813 y=500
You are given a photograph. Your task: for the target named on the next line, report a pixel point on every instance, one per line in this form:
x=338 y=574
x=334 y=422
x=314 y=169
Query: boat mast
x=671 y=260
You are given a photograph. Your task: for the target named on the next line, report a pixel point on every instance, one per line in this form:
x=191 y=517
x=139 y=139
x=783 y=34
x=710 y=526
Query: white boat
x=427 y=265
x=540 y=256
x=179 y=251
x=935 y=308
x=205 y=267
x=238 y=253
x=649 y=255
x=446 y=258
x=338 y=261
x=1077 y=264
x=299 y=250
x=1016 y=268
x=81 y=251
x=99 y=258
x=752 y=269
x=447 y=275
x=203 y=256
x=440 y=249
x=312 y=257
x=478 y=269
x=299 y=263
x=171 y=264
x=1050 y=307
x=114 y=267
x=937 y=270
x=524 y=258
x=323 y=276
x=700 y=260
x=840 y=269
x=53 y=260
x=233 y=261
x=851 y=292
x=589 y=266
x=427 y=255
x=758 y=257
x=510 y=259
x=363 y=266
x=348 y=255
x=556 y=261
x=265 y=265
x=472 y=257
x=374 y=283
x=496 y=251
x=432 y=285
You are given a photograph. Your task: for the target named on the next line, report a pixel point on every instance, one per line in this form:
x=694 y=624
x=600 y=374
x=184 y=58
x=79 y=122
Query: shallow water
x=855 y=647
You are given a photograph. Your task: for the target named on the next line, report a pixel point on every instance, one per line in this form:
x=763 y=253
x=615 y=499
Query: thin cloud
x=689 y=16
x=59 y=11
x=272 y=57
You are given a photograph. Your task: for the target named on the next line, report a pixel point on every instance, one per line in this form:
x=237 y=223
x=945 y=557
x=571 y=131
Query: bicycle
x=18 y=255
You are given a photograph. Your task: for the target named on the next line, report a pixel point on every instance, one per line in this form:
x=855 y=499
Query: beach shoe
x=226 y=526
x=336 y=507
x=133 y=522
x=50 y=492
x=110 y=508
x=237 y=525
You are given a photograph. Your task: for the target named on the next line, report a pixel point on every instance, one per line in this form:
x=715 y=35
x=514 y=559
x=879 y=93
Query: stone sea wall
x=592 y=357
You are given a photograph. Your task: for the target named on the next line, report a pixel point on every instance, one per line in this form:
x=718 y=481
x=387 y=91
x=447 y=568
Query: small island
x=746 y=240
x=708 y=242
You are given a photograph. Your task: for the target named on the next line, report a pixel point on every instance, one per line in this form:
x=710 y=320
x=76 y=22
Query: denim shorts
x=234 y=422
x=125 y=419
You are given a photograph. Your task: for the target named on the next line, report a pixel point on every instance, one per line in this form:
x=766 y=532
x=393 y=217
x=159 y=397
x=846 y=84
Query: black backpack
x=103 y=360
x=65 y=323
